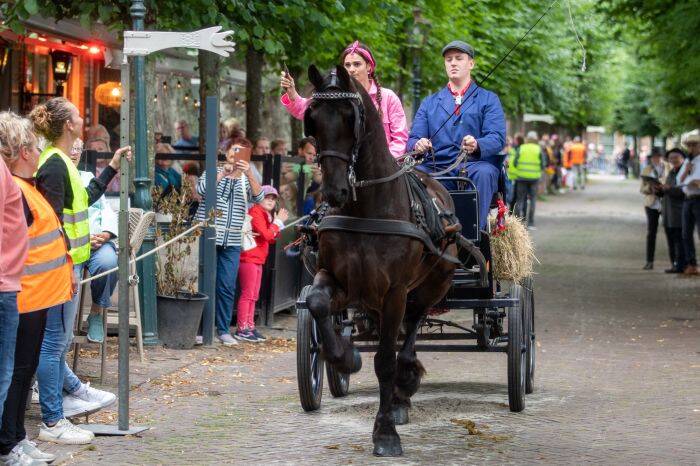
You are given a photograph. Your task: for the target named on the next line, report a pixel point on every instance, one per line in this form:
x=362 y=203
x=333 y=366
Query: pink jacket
x=393 y=115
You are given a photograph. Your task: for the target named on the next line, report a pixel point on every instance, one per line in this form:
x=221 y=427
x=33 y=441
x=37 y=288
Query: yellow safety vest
x=75 y=216
x=528 y=162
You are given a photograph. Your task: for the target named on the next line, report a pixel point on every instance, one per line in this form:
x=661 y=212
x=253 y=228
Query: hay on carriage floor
x=512 y=250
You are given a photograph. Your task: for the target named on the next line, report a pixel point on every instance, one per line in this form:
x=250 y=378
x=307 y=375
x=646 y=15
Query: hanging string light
x=179 y=84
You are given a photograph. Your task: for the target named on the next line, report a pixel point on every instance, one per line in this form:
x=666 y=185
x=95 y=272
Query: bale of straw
x=512 y=250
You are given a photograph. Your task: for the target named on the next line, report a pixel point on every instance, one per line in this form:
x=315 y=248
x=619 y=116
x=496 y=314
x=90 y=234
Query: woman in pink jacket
x=359 y=62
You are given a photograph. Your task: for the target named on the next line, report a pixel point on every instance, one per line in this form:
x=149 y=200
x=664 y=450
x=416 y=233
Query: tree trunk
x=253 y=93
x=209 y=73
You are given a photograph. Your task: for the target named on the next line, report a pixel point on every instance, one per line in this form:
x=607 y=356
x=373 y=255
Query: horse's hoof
x=388 y=446
x=400 y=414
x=356 y=361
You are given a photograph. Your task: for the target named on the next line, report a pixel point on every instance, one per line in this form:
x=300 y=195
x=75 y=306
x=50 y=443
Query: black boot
x=648 y=266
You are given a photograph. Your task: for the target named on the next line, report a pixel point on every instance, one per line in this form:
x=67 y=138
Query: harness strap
x=334 y=153
x=378 y=226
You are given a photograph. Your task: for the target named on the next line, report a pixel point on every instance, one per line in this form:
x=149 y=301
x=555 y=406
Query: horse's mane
x=374 y=138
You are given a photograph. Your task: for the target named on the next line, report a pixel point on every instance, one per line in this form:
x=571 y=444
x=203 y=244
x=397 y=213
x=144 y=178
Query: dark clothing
x=676 y=252
x=691 y=222
x=53 y=183
x=652 y=228
x=672 y=202
x=30 y=334
x=524 y=190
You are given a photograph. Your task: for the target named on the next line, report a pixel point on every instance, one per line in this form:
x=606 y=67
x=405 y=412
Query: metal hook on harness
x=133 y=280
x=352 y=181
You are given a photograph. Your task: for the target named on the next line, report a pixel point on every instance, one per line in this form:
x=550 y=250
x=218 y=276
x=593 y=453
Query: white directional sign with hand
x=146 y=42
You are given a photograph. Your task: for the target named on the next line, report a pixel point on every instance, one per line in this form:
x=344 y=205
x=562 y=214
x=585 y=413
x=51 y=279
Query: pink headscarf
x=355 y=47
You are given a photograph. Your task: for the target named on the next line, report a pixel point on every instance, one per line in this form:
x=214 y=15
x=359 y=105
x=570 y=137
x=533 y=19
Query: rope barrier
x=171 y=241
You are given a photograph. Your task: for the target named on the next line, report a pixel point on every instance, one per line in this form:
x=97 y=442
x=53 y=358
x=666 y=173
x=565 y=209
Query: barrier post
x=207 y=282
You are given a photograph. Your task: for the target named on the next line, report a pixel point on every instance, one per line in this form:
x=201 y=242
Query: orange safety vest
x=577 y=154
x=46 y=280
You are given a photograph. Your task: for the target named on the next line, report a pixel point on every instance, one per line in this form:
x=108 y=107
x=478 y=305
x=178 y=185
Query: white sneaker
x=17 y=457
x=31 y=449
x=93 y=395
x=74 y=406
x=227 y=340
x=65 y=433
x=35 y=393
x=198 y=340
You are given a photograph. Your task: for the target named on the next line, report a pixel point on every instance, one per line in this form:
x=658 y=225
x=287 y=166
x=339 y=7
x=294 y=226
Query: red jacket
x=266 y=231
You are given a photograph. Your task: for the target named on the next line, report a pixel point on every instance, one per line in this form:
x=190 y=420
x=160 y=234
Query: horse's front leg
x=386 y=439
x=337 y=351
x=409 y=369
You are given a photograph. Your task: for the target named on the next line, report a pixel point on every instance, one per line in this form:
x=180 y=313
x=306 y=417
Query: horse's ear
x=344 y=78
x=315 y=77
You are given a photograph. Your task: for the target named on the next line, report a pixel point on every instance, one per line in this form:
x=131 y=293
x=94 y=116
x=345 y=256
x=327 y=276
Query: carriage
x=503 y=320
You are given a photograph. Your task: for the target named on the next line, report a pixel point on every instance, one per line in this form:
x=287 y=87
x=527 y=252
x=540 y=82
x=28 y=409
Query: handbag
x=247 y=236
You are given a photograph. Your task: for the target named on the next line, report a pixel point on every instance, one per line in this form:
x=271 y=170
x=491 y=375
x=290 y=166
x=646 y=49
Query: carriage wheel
x=530 y=346
x=309 y=360
x=338 y=382
x=516 y=356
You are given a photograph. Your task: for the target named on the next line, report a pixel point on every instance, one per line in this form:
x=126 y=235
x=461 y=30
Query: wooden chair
x=138 y=227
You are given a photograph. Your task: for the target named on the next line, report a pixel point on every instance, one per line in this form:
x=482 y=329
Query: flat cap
x=459 y=45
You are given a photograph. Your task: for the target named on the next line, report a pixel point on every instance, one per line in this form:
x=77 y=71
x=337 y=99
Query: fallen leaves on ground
x=332 y=447
x=473 y=430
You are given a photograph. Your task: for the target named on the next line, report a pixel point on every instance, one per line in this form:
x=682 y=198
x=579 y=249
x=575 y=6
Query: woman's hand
x=121 y=152
x=282 y=215
x=287 y=83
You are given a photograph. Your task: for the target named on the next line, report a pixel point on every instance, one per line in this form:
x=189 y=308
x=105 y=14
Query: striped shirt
x=231 y=207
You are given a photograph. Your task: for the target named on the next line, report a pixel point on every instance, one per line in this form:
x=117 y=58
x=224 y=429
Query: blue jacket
x=481 y=116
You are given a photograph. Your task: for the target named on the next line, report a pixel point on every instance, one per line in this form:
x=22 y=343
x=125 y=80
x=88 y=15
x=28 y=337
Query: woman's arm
x=52 y=181
x=397 y=124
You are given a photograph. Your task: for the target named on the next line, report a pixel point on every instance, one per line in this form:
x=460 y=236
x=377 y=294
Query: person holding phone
x=359 y=61
x=232 y=208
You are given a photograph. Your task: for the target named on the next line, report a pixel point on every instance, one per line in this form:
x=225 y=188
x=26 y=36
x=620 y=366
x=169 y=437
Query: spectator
x=47 y=263
x=278 y=147
x=528 y=163
x=104 y=226
x=58 y=180
x=288 y=197
x=230 y=130
x=166 y=177
x=652 y=176
x=13 y=252
x=690 y=179
x=191 y=173
x=625 y=160
x=312 y=173
x=672 y=211
x=185 y=140
x=518 y=140
x=262 y=147
x=576 y=155
x=97 y=139
x=266 y=226
x=231 y=205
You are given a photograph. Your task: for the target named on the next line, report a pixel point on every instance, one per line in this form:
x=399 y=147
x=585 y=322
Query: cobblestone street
x=618 y=373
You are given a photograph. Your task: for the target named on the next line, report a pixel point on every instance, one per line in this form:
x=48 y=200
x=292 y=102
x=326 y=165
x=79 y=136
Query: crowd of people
x=671 y=188
x=56 y=225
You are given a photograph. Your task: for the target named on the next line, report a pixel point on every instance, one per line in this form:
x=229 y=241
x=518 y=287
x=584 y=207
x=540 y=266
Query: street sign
x=595 y=129
x=141 y=43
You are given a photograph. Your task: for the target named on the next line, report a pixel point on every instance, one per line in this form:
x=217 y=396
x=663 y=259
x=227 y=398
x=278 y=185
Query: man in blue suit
x=476 y=125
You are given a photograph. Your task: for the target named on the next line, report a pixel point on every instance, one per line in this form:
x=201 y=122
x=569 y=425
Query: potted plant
x=180 y=306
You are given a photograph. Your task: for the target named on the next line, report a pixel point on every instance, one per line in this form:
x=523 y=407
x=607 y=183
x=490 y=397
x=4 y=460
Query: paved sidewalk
x=618 y=376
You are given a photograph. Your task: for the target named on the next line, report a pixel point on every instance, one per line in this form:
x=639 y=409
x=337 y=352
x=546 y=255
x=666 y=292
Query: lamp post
x=418 y=41
x=142 y=182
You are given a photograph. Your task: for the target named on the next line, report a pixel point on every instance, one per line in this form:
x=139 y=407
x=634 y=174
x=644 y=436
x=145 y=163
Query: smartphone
x=242 y=153
x=286 y=75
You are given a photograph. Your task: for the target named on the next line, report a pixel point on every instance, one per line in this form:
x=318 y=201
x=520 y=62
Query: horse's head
x=336 y=119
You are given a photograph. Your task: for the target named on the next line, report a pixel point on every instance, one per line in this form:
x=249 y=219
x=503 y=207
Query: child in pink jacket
x=266 y=226
x=359 y=62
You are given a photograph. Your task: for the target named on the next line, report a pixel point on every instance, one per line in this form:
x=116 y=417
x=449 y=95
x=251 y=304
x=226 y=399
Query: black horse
x=393 y=278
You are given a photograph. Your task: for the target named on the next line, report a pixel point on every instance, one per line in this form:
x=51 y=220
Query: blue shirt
x=481 y=116
x=167 y=179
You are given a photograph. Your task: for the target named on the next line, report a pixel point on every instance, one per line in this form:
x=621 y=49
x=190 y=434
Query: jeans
x=9 y=320
x=53 y=374
x=30 y=333
x=674 y=238
x=226 y=274
x=578 y=173
x=691 y=221
x=101 y=260
x=524 y=190
x=652 y=228
x=250 y=276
